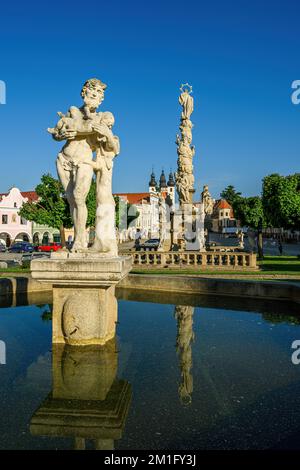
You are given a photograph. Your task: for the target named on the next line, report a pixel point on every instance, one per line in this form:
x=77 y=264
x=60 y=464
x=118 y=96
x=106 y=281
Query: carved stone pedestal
x=85 y=309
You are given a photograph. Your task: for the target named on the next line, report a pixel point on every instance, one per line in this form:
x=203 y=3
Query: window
x=15 y=204
x=5 y=219
x=23 y=221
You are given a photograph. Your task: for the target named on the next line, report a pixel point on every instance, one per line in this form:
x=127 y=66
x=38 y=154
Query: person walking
x=280 y=248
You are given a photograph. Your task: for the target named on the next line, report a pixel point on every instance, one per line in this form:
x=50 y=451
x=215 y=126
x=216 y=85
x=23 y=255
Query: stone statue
x=162 y=221
x=86 y=132
x=185 y=151
x=108 y=147
x=183 y=186
x=207 y=201
x=187 y=103
x=240 y=236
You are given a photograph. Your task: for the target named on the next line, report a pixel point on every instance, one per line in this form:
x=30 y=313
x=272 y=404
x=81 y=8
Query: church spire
x=162 y=180
x=152 y=182
x=171 y=181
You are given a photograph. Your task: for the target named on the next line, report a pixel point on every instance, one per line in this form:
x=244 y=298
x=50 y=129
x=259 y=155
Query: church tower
x=163 y=184
x=171 y=187
x=152 y=183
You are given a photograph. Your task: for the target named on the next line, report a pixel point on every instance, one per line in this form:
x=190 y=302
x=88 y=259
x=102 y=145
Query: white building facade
x=148 y=206
x=12 y=226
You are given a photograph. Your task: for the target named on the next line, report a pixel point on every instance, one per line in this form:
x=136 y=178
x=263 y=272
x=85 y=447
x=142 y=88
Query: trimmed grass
x=14 y=270
x=280 y=264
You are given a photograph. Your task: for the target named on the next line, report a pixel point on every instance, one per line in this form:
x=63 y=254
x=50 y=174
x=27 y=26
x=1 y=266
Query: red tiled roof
x=134 y=198
x=223 y=204
x=30 y=195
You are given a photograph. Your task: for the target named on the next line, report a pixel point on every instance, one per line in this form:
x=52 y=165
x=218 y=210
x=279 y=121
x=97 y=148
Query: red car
x=49 y=247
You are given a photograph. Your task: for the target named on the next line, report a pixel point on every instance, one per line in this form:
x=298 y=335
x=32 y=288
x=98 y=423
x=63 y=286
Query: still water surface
x=184 y=373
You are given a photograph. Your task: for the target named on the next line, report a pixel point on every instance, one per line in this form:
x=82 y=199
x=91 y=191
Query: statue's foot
x=105 y=254
x=78 y=248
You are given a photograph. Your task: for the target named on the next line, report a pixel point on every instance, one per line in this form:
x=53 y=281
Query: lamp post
x=260 y=239
x=169 y=203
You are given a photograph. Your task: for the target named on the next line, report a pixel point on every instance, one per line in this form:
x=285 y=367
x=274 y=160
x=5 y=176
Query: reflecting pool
x=184 y=372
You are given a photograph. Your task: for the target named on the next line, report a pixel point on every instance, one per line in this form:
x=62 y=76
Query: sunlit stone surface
x=85 y=309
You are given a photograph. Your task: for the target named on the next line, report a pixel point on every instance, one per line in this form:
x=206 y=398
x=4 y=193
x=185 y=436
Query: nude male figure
x=81 y=128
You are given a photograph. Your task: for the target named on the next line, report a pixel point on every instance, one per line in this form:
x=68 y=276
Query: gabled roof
x=31 y=196
x=223 y=204
x=134 y=198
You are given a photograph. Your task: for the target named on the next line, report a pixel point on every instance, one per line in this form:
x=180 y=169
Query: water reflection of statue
x=87 y=400
x=185 y=337
x=207 y=201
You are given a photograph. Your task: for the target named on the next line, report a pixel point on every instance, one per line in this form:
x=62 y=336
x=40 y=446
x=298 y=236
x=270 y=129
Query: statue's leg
x=66 y=179
x=105 y=236
x=63 y=174
x=82 y=187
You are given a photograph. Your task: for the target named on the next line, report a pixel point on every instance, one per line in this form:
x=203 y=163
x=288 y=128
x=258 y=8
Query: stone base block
x=85 y=308
x=84 y=316
x=81 y=269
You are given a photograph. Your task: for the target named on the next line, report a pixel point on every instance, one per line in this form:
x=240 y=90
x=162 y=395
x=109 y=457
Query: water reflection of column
x=87 y=400
x=185 y=336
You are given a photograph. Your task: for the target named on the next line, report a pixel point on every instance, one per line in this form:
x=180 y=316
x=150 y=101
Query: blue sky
x=241 y=58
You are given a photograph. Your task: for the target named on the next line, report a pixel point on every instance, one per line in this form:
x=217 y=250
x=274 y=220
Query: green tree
x=281 y=200
x=249 y=211
x=91 y=205
x=231 y=195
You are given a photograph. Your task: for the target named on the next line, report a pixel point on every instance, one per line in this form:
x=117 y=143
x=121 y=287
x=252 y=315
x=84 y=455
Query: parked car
x=49 y=247
x=2 y=248
x=28 y=257
x=21 y=247
x=150 y=245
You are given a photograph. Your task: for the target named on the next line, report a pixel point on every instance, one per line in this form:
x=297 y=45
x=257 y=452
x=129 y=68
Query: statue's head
x=93 y=92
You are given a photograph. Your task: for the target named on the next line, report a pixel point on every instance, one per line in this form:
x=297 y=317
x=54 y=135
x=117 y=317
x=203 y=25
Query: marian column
x=185 y=149
x=191 y=235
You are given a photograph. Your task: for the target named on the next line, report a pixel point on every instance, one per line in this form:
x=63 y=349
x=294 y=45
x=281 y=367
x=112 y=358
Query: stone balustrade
x=196 y=259
x=223 y=248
